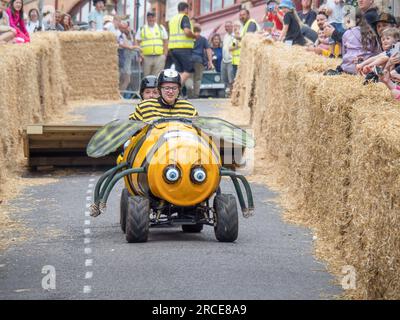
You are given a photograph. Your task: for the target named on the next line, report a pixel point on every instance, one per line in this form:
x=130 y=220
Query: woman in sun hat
x=291 y=32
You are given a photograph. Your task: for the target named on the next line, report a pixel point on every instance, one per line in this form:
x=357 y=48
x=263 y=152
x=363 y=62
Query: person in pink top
x=15 y=13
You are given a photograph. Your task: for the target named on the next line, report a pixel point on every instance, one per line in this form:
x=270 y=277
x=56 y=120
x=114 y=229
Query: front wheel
x=226 y=220
x=137 y=219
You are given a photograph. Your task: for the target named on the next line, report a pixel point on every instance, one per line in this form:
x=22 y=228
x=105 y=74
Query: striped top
x=153 y=109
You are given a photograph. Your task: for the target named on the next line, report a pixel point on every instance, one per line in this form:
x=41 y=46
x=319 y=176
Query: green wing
x=225 y=130
x=110 y=137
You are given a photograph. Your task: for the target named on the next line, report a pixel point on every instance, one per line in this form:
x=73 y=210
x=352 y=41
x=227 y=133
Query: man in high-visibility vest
x=248 y=25
x=153 y=41
x=181 y=41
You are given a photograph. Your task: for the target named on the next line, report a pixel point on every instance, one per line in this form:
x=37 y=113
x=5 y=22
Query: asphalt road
x=270 y=260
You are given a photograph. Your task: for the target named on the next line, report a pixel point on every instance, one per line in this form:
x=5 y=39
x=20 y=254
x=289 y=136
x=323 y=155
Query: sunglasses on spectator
x=173 y=89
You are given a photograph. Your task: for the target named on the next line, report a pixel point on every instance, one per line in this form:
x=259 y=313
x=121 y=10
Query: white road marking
x=87 y=289
x=87 y=240
x=88 y=262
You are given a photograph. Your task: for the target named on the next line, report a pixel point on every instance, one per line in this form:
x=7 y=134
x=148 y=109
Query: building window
x=207 y=6
x=216 y=5
x=228 y=3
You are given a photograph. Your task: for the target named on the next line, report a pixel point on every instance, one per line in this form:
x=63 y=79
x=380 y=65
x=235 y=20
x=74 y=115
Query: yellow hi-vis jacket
x=152 y=42
x=177 y=37
x=236 y=52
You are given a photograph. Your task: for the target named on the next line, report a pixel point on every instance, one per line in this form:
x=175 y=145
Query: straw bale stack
x=334 y=145
x=38 y=79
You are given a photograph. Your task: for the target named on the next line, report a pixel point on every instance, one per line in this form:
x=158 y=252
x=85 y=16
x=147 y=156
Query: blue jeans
x=338 y=27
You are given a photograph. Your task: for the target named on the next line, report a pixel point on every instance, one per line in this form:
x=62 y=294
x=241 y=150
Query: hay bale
x=91 y=63
x=333 y=143
x=38 y=79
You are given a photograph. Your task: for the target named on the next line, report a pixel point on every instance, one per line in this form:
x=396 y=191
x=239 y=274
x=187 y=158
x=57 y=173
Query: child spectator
x=291 y=32
x=389 y=37
x=216 y=46
x=7 y=33
x=359 y=43
x=16 y=17
x=321 y=46
x=33 y=22
x=66 y=22
x=393 y=87
x=202 y=58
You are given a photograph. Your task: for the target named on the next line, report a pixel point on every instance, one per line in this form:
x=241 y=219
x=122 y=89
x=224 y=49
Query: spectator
x=320 y=21
x=384 y=21
x=249 y=26
x=307 y=15
x=235 y=49
x=202 y=57
x=321 y=46
x=7 y=33
x=390 y=37
x=335 y=12
x=33 y=24
x=130 y=51
x=226 y=64
x=359 y=43
x=274 y=15
x=54 y=21
x=153 y=41
x=369 y=10
x=108 y=24
x=96 y=17
x=392 y=86
x=216 y=44
x=291 y=32
x=181 y=42
x=66 y=22
x=16 y=19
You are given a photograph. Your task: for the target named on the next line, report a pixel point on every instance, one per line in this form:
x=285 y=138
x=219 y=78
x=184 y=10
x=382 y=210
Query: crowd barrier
x=334 y=145
x=37 y=81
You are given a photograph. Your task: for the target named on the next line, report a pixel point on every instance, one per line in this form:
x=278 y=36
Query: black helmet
x=147 y=82
x=169 y=76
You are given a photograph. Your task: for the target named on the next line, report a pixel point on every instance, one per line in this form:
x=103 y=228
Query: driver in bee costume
x=168 y=104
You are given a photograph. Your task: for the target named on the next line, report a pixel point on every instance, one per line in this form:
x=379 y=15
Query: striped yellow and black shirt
x=153 y=109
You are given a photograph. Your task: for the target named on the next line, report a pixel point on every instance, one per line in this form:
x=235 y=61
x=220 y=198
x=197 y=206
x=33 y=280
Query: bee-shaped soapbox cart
x=172 y=169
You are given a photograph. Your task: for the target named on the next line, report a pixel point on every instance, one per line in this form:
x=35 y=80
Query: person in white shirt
x=335 y=14
x=153 y=41
x=226 y=65
x=33 y=22
x=96 y=16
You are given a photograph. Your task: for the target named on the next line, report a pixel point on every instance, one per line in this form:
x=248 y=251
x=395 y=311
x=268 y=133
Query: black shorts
x=182 y=58
x=397 y=68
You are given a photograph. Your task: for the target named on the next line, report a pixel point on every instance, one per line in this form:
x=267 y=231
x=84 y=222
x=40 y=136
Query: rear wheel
x=123 y=208
x=137 y=219
x=192 y=228
x=226 y=220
